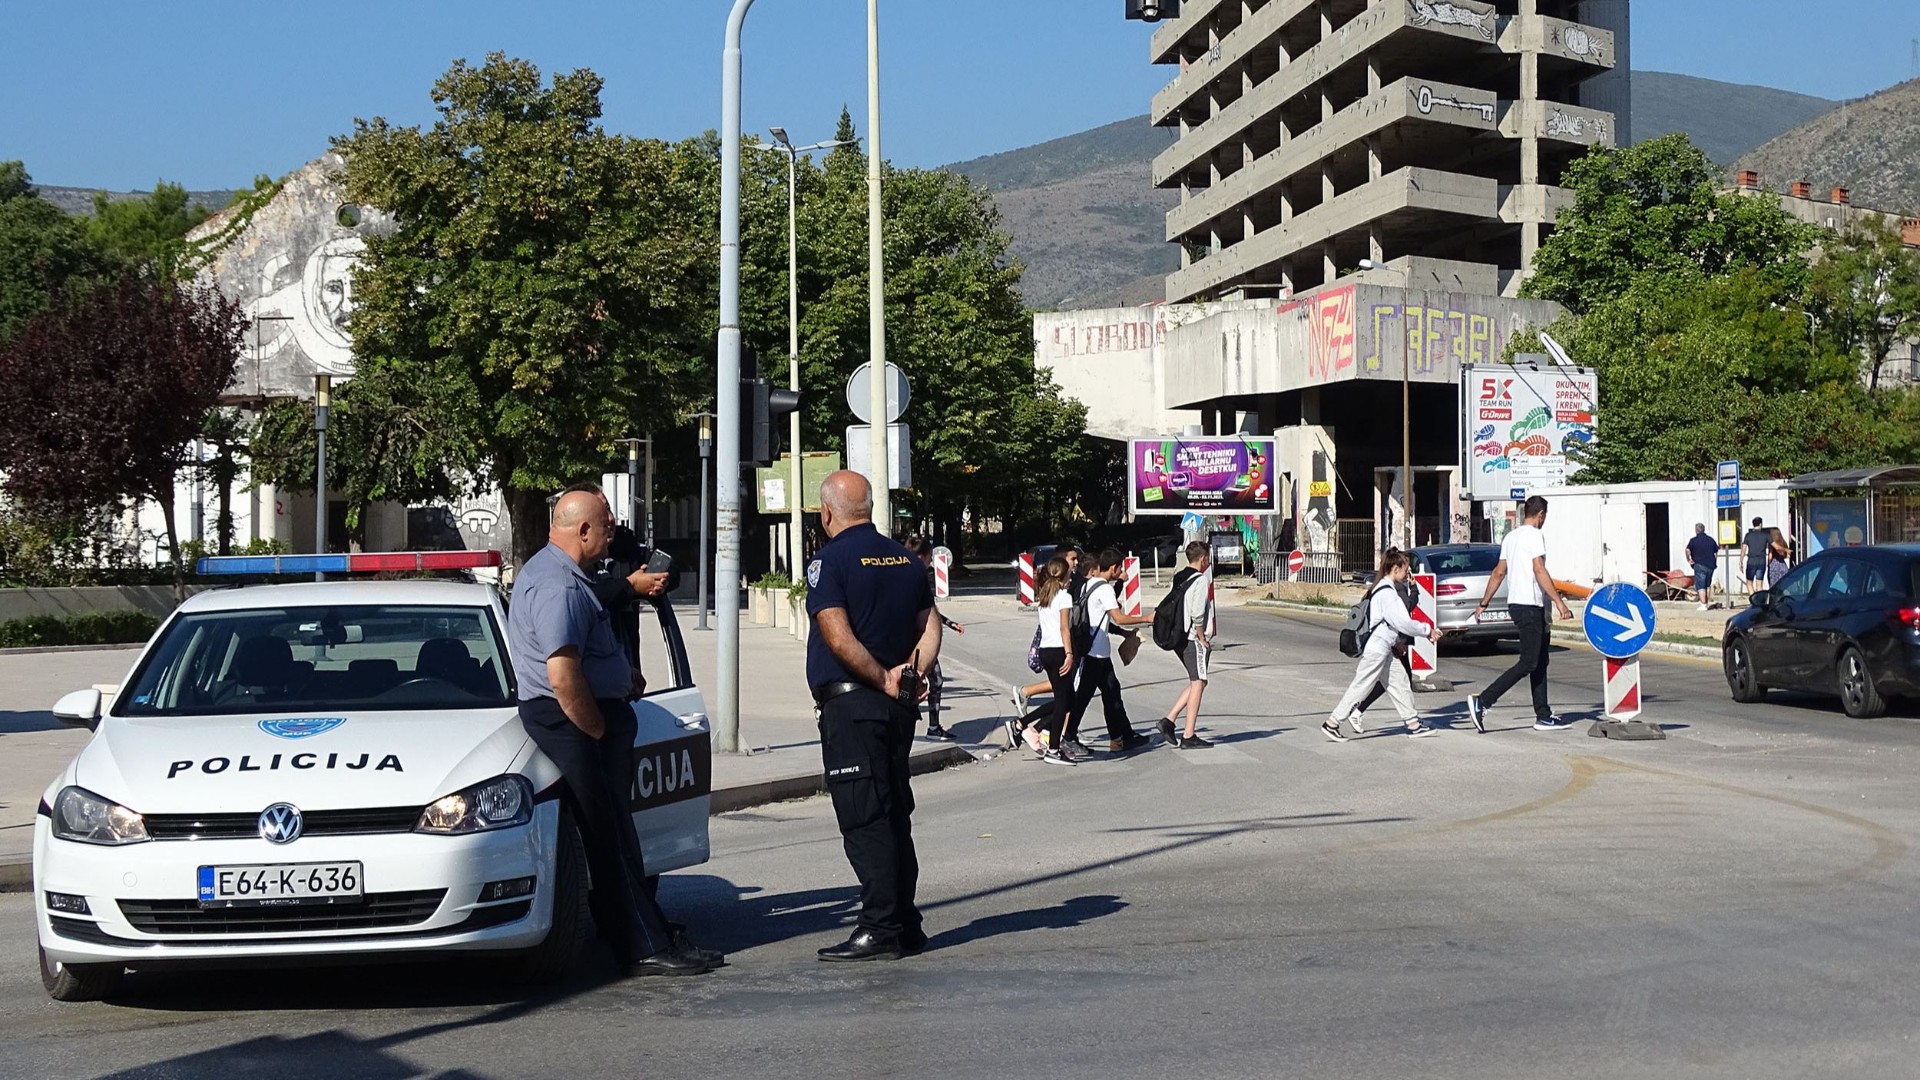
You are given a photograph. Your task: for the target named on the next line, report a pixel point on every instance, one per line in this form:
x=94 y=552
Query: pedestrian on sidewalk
x=1779 y=556
x=573 y=689
x=1097 y=673
x=1701 y=553
x=876 y=636
x=1409 y=594
x=1195 y=584
x=1022 y=706
x=1523 y=568
x=922 y=549
x=1755 y=546
x=1391 y=629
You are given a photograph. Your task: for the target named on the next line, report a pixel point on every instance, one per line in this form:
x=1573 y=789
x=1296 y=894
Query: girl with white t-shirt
x=1055 y=600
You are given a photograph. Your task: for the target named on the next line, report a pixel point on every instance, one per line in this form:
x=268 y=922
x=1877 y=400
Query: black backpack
x=1359 y=625
x=1170 y=614
x=1079 y=626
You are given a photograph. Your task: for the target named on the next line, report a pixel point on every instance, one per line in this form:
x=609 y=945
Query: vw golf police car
x=330 y=769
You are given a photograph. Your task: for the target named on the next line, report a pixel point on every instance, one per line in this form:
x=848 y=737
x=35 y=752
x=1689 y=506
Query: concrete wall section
x=1112 y=361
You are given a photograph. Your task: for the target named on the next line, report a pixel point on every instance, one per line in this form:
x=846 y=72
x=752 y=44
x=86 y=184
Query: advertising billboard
x=1226 y=475
x=1523 y=426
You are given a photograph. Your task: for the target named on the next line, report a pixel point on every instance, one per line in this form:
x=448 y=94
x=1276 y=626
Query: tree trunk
x=224 y=471
x=165 y=498
x=527 y=512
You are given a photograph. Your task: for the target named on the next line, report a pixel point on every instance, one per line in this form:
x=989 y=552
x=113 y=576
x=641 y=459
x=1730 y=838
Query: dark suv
x=1845 y=622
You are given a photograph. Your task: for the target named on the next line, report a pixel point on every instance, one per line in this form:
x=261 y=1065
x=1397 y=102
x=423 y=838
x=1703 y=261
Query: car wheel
x=1858 y=695
x=1742 y=679
x=550 y=960
x=79 y=982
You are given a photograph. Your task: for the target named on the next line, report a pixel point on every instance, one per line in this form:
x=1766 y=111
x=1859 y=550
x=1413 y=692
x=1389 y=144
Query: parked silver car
x=1460 y=579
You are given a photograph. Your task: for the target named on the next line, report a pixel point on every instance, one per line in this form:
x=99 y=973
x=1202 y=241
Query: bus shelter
x=1851 y=507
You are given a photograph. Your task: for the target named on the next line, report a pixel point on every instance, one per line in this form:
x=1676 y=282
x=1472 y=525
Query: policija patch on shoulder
x=813 y=574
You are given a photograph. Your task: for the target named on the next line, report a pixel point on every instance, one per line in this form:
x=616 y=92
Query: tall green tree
x=1864 y=293
x=1655 y=208
x=149 y=231
x=43 y=251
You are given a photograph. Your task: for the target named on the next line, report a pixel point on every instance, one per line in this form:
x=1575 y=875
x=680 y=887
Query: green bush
x=92 y=628
x=773 y=580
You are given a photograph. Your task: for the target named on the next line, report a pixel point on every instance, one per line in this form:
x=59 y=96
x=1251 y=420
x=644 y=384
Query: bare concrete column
x=1373 y=72
x=1376 y=247
x=1326 y=183
x=1286 y=201
x=1529 y=245
x=1286 y=275
x=1329 y=265
x=1213 y=239
x=1374 y=165
x=1186 y=191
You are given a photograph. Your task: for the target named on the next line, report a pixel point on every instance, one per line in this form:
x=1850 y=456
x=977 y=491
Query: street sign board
x=1223 y=475
x=899 y=451
x=860 y=392
x=1619 y=620
x=1296 y=562
x=1727 y=485
x=769 y=480
x=1525 y=425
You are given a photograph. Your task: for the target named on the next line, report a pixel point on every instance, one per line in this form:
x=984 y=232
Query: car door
x=1776 y=659
x=673 y=751
x=1820 y=626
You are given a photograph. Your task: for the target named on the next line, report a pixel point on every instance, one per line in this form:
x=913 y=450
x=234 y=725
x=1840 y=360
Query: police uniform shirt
x=883 y=590
x=554 y=607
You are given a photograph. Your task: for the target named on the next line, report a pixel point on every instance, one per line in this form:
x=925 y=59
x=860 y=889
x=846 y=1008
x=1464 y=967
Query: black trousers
x=599 y=775
x=1056 y=724
x=1531 y=621
x=864 y=740
x=1098 y=677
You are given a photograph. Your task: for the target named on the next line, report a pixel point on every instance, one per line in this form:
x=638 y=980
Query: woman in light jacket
x=1393 y=630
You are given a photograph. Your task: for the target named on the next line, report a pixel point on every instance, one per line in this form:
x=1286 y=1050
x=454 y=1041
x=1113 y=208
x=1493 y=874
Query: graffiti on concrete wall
x=1578 y=42
x=1443 y=13
x=1437 y=338
x=1576 y=125
x=1427 y=101
x=1330 y=333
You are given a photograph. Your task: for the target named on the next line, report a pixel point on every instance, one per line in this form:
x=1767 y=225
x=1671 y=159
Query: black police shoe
x=683 y=943
x=863 y=945
x=913 y=942
x=670 y=962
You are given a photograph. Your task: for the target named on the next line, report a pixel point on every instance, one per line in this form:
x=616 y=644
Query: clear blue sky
x=211 y=92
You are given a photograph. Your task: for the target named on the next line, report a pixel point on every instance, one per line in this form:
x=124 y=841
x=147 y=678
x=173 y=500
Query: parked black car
x=1845 y=622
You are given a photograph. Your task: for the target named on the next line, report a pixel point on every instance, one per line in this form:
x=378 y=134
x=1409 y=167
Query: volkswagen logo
x=281 y=823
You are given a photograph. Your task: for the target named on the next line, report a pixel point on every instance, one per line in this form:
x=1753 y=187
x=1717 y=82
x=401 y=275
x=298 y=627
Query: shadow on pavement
x=14 y=723
x=1062 y=916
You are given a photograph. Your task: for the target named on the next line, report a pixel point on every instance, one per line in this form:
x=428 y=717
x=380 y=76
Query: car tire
x=1858 y=694
x=549 y=961
x=79 y=982
x=1742 y=680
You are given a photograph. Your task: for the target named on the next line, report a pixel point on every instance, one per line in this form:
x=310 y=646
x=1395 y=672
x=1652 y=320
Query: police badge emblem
x=813 y=574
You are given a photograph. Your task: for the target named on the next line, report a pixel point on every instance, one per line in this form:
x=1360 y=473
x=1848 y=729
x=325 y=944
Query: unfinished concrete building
x=1424 y=136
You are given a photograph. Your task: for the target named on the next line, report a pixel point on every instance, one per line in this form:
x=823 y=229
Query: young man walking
x=1701 y=553
x=1097 y=675
x=1196 y=615
x=1754 y=547
x=1523 y=567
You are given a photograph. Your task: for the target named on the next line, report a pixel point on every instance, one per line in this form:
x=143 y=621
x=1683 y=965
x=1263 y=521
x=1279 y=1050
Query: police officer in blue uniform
x=875 y=637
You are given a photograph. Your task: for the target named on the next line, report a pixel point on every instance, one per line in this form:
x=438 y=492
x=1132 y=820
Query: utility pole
x=876 y=288
x=322 y=404
x=726 y=510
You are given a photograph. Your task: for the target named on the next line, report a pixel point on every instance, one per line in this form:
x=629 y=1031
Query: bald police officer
x=574 y=684
x=872 y=612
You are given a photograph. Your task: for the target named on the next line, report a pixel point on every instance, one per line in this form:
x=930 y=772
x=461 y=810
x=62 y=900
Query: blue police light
x=363 y=563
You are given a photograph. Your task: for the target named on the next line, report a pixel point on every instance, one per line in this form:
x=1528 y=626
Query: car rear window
x=1464 y=560
x=359 y=657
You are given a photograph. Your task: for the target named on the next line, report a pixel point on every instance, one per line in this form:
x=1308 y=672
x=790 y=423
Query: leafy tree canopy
x=1864 y=294
x=148 y=231
x=42 y=251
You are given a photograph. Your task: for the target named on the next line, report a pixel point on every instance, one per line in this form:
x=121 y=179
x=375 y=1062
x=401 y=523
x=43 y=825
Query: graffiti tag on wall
x=1435 y=337
x=1330 y=351
x=1443 y=13
x=1576 y=126
x=1426 y=101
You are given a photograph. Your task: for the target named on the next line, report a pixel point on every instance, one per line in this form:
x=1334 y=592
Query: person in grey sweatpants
x=1393 y=631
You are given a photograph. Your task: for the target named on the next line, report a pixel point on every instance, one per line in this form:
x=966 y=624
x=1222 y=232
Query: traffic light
x=1153 y=10
x=763 y=410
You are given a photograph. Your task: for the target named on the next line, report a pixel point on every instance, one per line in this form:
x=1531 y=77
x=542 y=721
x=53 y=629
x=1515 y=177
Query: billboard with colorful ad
x=1525 y=426
x=1227 y=475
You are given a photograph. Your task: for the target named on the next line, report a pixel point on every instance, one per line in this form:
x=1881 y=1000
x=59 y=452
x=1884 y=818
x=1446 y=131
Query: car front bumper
x=421 y=895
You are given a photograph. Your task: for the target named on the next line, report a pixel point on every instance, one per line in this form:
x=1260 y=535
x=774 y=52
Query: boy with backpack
x=1183 y=624
x=1099 y=611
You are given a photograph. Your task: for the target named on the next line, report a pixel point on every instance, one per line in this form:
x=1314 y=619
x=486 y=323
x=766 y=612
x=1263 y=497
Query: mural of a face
x=313 y=309
x=327 y=288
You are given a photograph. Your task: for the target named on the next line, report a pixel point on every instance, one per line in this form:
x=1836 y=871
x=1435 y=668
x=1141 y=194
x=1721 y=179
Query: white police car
x=337 y=769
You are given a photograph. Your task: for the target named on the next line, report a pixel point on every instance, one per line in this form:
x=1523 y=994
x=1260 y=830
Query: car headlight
x=499 y=803
x=79 y=814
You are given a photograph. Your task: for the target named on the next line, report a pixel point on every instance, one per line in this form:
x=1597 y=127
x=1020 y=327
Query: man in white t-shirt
x=1523 y=567
x=1103 y=615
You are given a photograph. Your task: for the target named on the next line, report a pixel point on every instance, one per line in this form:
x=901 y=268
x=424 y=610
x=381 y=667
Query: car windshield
x=1479 y=560
x=359 y=657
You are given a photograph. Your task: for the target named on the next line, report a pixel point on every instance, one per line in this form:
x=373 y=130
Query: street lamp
x=784 y=146
x=322 y=403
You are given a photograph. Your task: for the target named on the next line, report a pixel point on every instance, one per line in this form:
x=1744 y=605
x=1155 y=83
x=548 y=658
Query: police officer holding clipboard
x=875 y=637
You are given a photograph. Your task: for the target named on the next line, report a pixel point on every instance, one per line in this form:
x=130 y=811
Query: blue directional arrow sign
x=1619 y=620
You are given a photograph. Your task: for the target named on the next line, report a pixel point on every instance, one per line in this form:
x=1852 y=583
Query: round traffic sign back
x=859 y=393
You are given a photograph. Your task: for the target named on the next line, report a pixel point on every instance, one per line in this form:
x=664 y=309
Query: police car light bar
x=367 y=563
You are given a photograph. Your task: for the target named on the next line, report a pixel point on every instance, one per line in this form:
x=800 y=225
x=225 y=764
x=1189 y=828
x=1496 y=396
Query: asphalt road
x=1733 y=901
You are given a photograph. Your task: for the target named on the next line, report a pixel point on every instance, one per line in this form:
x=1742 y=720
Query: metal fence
x=1320 y=568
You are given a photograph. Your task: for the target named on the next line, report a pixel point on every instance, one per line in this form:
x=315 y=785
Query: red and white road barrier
x=1026 y=580
x=1623 y=688
x=942 y=573
x=1130 y=586
x=1296 y=562
x=1425 y=658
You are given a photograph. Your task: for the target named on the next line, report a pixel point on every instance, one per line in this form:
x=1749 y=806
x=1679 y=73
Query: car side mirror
x=1762 y=600
x=79 y=709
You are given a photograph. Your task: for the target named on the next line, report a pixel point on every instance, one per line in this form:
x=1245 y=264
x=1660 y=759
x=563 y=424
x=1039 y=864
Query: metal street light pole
x=1406 y=442
x=322 y=404
x=876 y=287
x=726 y=510
x=797 y=499
x=706 y=452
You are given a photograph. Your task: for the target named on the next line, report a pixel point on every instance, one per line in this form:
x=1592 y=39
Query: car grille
x=374 y=911
x=480 y=919
x=246 y=826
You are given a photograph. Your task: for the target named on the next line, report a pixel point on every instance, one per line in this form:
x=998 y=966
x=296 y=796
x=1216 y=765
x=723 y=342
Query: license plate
x=1495 y=616
x=284 y=883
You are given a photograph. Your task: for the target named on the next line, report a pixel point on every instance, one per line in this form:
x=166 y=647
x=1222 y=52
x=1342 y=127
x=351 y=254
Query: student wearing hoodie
x=1393 y=631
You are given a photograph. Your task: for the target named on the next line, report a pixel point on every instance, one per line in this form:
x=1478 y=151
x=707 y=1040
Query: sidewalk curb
x=16 y=871
x=35 y=650
x=1561 y=633
x=808 y=784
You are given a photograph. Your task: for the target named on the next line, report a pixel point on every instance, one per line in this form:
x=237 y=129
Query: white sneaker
x=1019 y=704
x=1354 y=721
x=1703 y=607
